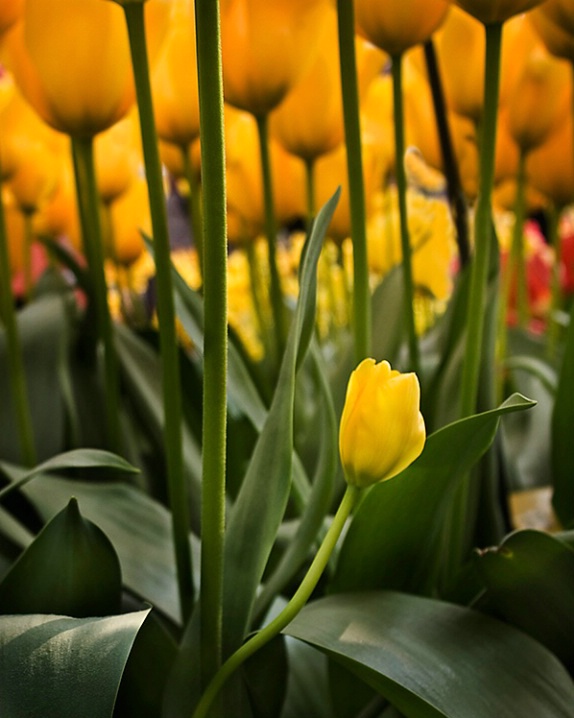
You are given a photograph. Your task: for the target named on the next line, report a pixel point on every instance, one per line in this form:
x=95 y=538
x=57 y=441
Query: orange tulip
x=267 y=46
x=493 y=11
x=174 y=79
x=397 y=25
x=554 y=22
x=550 y=168
x=10 y=12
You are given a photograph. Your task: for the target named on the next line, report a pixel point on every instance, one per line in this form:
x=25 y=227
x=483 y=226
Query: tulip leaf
x=394 y=536
x=433 y=659
x=388 y=322
x=70 y=568
x=307 y=682
x=43 y=336
x=137 y=526
x=60 y=667
x=75 y=459
x=261 y=503
x=562 y=455
x=530 y=570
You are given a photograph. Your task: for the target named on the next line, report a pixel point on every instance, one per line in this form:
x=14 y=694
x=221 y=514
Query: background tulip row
x=211 y=213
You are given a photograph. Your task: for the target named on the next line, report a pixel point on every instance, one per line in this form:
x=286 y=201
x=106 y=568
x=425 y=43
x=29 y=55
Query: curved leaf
x=530 y=570
x=59 y=667
x=394 y=536
x=70 y=569
x=437 y=660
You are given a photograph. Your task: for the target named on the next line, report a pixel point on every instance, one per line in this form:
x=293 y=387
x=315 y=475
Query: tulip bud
x=382 y=430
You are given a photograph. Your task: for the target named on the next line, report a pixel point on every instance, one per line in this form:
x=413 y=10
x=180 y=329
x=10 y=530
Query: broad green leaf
x=394 y=537
x=562 y=422
x=260 y=505
x=60 y=667
x=76 y=459
x=432 y=659
x=138 y=527
x=529 y=582
x=307 y=683
x=43 y=335
x=69 y=569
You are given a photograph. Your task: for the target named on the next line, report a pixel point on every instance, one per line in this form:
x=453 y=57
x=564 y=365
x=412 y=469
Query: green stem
x=28 y=242
x=518 y=243
x=310 y=191
x=408 y=283
x=482 y=225
x=215 y=343
x=275 y=290
x=194 y=211
x=255 y=285
x=15 y=358
x=556 y=300
x=349 y=89
x=177 y=490
x=297 y=602
x=462 y=517
x=455 y=192
x=89 y=203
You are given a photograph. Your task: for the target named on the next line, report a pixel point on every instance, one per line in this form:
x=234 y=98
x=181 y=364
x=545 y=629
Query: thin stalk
x=297 y=602
x=275 y=289
x=310 y=191
x=15 y=358
x=28 y=242
x=514 y=268
x=454 y=189
x=177 y=490
x=482 y=224
x=207 y=18
x=255 y=286
x=556 y=300
x=194 y=210
x=408 y=284
x=350 y=94
x=518 y=243
x=463 y=511
x=89 y=202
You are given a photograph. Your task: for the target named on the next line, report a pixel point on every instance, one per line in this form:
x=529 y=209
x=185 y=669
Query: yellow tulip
x=10 y=11
x=174 y=79
x=397 y=25
x=493 y=11
x=539 y=98
x=554 y=22
x=267 y=46
x=129 y=217
x=382 y=430
x=58 y=217
x=549 y=167
x=116 y=158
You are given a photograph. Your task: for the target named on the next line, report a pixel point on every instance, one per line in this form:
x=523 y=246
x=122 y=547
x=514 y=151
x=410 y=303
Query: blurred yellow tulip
x=129 y=217
x=58 y=217
x=116 y=158
x=267 y=46
x=10 y=12
x=493 y=11
x=382 y=430
x=244 y=182
x=550 y=168
x=554 y=22
x=397 y=25
x=174 y=79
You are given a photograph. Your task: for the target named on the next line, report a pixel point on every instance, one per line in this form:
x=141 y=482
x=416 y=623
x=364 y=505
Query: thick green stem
x=482 y=225
x=408 y=284
x=455 y=192
x=215 y=344
x=89 y=203
x=297 y=602
x=275 y=290
x=14 y=352
x=349 y=88
x=194 y=209
x=177 y=490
